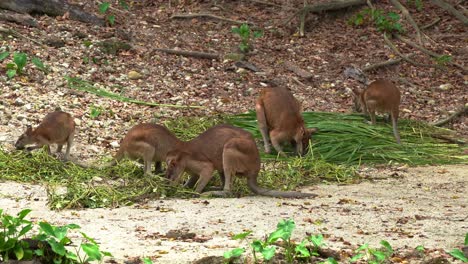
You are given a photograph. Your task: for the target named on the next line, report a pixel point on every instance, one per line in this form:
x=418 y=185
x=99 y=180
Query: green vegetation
x=341 y=145
x=458 y=254
x=82 y=85
x=20 y=60
x=384 y=22
x=50 y=240
x=348 y=140
x=246 y=34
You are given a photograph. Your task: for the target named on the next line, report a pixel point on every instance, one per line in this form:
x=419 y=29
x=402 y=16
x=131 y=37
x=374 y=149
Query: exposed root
x=189 y=53
x=408 y=17
x=206 y=15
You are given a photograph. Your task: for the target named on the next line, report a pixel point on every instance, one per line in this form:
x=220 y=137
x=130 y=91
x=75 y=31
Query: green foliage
x=443 y=60
x=417 y=3
x=371 y=255
x=147 y=261
x=52 y=241
x=420 y=248
x=458 y=254
x=237 y=252
x=347 y=139
x=95 y=111
x=245 y=33
x=12 y=230
x=20 y=60
x=384 y=22
x=104 y=8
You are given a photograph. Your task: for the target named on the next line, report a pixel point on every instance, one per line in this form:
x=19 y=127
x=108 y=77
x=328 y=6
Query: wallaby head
x=175 y=161
x=306 y=138
x=25 y=139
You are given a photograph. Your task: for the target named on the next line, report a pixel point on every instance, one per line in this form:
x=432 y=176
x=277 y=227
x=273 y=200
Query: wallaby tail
x=253 y=185
x=394 y=117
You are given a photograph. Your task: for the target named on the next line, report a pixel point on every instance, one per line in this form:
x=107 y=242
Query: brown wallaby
x=223 y=148
x=57 y=128
x=147 y=142
x=279 y=119
x=382 y=96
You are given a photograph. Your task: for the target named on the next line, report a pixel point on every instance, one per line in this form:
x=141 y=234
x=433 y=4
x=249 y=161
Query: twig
x=428 y=52
x=462 y=111
x=17 y=34
x=189 y=53
x=384 y=63
x=410 y=19
x=449 y=8
x=265 y=3
x=297 y=70
x=194 y=15
x=437 y=20
x=405 y=58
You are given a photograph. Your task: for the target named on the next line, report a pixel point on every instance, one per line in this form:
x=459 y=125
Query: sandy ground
x=418 y=206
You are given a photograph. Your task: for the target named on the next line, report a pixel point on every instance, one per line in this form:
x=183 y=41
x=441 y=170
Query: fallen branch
x=298 y=71
x=433 y=23
x=408 y=17
x=462 y=111
x=426 y=51
x=384 y=63
x=406 y=58
x=23 y=19
x=449 y=8
x=195 y=15
x=188 y=53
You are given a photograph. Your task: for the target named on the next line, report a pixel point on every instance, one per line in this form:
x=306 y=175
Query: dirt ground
x=407 y=207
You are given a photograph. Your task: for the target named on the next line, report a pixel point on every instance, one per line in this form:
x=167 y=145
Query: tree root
x=188 y=53
x=433 y=23
x=462 y=111
x=406 y=58
x=384 y=63
x=298 y=71
x=449 y=8
x=195 y=15
x=408 y=17
x=428 y=52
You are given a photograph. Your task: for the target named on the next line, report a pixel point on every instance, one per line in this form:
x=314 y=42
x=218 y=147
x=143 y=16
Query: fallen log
x=51 y=8
x=189 y=53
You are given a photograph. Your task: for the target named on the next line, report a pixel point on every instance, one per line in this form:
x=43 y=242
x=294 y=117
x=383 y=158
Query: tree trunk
x=51 y=8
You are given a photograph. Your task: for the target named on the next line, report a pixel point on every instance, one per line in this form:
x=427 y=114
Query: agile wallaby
x=149 y=142
x=56 y=128
x=383 y=96
x=279 y=119
x=226 y=149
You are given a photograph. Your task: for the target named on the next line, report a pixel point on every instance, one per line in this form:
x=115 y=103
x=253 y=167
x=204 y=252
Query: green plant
x=443 y=60
x=267 y=249
x=51 y=242
x=12 y=231
x=20 y=60
x=103 y=9
x=373 y=256
x=417 y=3
x=458 y=254
x=147 y=261
x=237 y=252
x=245 y=33
x=385 y=22
x=95 y=111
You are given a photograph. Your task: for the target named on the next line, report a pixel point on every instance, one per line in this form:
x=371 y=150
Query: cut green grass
x=348 y=139
x=343 y=143
x=83 y=85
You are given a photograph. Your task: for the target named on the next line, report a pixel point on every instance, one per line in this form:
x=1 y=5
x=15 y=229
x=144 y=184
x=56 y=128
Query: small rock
x=431 y=102
x=445 y=87
x=114 y=144
x=27 y=106
x=406 y=110
x=97 y=179
x=134 y=75
x=19 y=102
x=20 y=117
x=77 y=121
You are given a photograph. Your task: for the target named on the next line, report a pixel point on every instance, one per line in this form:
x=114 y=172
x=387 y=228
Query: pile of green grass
x=341 y=145
x=348 y=139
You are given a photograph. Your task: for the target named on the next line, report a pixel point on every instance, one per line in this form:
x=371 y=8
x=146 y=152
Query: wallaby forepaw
x=222 y=194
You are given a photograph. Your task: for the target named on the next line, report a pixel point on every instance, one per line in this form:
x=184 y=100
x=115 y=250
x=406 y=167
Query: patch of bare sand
x=422 y=206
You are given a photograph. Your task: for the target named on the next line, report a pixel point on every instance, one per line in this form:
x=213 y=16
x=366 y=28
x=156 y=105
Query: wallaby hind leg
x=191 y=181
x=394 y=116
x=158 y=167
x=69 y=145
x=262 y=125
x=148 y=160
x=59 y=148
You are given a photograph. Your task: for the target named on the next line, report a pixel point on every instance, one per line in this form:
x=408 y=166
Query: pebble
x=134 y=75
x=20 y=117
x=114 y=144
x=445 y=87
x=19 y=102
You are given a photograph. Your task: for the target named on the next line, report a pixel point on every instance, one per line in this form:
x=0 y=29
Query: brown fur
x=382 y=96
x=147 y=142
x=223 y=148
x=57 y=128
x=279 y=119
